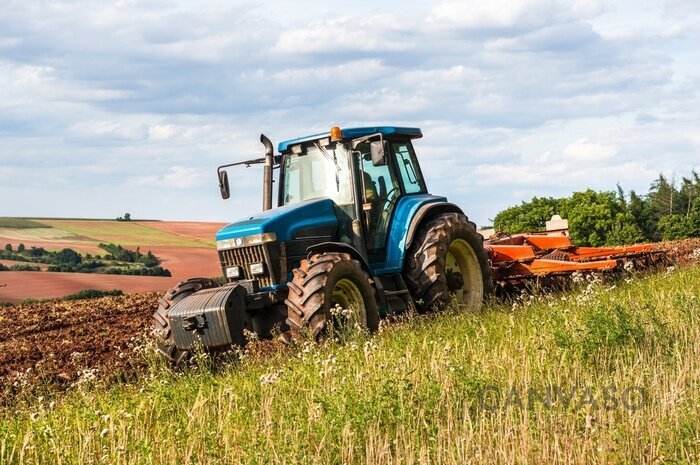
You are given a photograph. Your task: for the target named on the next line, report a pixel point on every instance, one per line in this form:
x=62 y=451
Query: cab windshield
x=320 y=172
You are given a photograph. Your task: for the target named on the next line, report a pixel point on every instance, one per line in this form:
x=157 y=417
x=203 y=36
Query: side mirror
x=223 y=185
x=376 y=148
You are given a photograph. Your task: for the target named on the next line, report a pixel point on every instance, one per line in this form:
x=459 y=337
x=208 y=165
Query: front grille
x=243 y=257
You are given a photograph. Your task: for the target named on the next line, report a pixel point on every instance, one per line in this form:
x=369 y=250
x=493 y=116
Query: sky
x=129 y=106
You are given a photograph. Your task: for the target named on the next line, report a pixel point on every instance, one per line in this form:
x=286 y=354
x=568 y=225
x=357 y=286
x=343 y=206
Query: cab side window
x=408 y=168
x=381 y=190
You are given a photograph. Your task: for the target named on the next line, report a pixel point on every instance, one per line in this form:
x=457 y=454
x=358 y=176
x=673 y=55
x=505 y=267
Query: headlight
x=245 y=241
x=233 y=272
x=257 y=269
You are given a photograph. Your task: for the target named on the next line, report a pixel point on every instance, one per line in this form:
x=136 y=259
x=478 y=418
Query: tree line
x=117 y=260
x=669 y=210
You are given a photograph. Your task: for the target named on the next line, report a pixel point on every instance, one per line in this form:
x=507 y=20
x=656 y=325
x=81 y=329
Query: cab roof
x=353 y=133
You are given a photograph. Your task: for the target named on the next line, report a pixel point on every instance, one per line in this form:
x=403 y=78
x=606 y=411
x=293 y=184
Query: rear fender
x=411 y=212
x=339 y=247
x=426 y=213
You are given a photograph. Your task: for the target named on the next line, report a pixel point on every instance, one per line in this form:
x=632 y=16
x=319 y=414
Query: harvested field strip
x=36 y=234
x=126 y=233
x=189 y=229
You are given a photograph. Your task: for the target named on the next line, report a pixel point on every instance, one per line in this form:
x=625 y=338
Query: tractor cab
x=364 y=171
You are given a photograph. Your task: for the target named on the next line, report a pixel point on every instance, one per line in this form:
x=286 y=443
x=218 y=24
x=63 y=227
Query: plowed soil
x=62 y=343
x=682 y=252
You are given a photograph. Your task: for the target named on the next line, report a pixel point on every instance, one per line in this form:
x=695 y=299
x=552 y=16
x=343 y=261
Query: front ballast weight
x=211 y=318
x=217 y=318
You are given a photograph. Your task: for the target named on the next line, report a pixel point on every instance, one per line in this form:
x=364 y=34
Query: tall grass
x=602 y=375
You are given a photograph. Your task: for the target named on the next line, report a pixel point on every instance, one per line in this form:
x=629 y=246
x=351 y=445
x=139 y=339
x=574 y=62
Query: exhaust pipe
x=267 y=172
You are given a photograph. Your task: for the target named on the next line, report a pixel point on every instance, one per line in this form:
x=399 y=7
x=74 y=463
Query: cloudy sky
x=107 y=107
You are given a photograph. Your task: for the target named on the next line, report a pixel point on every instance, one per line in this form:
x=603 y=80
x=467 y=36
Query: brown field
x=184 y=248
x=20 y=285
x=53 y=342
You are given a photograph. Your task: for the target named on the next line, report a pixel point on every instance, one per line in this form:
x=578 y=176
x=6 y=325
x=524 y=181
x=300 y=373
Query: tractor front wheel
x=323 y=283
x=161 y=323
x=447 y=260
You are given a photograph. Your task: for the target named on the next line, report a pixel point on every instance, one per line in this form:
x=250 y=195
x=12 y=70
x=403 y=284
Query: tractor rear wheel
x=161 y=324
x=324 y=282
x=447 y=259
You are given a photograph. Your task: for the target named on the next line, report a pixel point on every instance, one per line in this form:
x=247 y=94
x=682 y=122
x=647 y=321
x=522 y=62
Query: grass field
x=622 y=364
x=126 y=233
x=20 y=223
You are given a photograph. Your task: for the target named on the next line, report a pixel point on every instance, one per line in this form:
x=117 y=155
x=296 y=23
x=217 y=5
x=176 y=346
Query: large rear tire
x=447 y=260
x=161 y=323
x=322 y=282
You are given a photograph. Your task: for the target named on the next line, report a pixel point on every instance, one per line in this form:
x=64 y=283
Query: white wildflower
x=270 y=378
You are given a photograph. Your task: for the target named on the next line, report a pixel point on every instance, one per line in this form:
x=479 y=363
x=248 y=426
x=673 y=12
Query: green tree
x=37 y=251
x=662 y=197
x=527 y=217
x=8 y=247
x=67 y=257
x=149 y=260
x=640 y=210
x=592 y=216
x=20 y=248
x=625 y=231
x=678 y=226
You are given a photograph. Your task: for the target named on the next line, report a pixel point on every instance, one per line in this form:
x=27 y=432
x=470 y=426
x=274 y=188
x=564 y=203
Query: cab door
x=379 y=191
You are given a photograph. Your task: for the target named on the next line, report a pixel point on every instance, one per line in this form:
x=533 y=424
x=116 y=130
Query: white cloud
x=109 y=130
x=511 y=14
x=140 y=101
x=179 y=177
x=340 y=35
x=673 y=31
x=161 y=132
x=585 y=150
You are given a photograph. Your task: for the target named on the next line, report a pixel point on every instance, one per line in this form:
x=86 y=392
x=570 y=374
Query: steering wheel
x=388 y=195
x=388 y=206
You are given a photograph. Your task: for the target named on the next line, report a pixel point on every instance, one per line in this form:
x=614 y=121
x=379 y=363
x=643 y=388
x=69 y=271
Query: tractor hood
x=285 y=221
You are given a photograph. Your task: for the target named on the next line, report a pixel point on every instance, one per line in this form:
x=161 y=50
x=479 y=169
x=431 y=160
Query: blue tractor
x=355 y=228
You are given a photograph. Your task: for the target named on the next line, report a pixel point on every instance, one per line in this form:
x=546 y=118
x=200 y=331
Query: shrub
x=61 y=269
x=8 y=247
x=92 y=294
x=117 y=252
x=25 y=268
x=67 y=257
x=3 y=267
x=20 y=248
x=37 y=251
x=149 y=259
x=140 y=271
